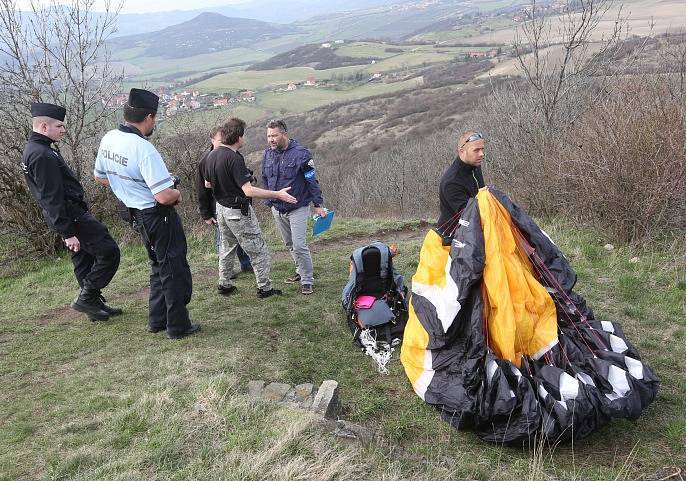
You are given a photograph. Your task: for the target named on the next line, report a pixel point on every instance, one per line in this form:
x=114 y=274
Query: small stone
x=303 y=391
x=326 y=402
x=276 y=391
x=634 y=260
x=290 y=397
x=609 y=247
x=255 y=388
x=306 y=404
x=345 y=429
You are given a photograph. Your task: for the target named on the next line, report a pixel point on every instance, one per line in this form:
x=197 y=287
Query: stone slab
x=255 y=388
x=276 y=391
x=326 y=402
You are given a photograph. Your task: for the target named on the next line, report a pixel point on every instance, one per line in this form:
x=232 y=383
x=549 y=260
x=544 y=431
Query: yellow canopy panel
x=520 y=314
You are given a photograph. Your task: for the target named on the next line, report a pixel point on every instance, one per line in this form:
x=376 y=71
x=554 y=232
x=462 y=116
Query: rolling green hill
x=206 y=33
x=210 y=41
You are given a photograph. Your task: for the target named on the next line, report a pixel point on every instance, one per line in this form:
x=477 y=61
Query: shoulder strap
x=385 y=256
x=356 y=257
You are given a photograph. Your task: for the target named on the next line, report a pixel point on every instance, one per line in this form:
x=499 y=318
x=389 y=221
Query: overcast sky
x=137 y=6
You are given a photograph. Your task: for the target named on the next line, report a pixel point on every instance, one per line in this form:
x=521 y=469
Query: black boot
x=112 y=311
x=88 y=302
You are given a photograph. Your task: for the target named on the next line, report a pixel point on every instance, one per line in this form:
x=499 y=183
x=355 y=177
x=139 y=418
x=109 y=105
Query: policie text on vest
x=119 y=159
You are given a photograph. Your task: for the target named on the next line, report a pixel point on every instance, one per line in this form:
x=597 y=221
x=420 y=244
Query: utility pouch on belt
x=244 y=204
x=124 y=213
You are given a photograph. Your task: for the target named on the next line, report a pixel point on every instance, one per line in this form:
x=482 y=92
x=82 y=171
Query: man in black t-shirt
x=230 y=180
x=207 y=206
x=461 y=181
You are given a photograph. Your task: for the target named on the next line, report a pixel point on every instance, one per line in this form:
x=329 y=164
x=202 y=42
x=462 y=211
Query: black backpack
x=372 y=274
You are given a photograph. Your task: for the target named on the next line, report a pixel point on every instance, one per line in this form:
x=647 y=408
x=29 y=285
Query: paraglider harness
x=375 y=301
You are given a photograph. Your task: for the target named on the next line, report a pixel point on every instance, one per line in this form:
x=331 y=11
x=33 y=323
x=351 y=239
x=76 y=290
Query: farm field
x=664 y=16
x=411 y=57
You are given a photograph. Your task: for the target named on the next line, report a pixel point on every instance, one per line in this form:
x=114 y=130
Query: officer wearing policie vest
x=138 y=176
x=54 y=186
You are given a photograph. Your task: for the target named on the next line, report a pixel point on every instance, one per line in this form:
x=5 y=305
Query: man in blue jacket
x=286 y=163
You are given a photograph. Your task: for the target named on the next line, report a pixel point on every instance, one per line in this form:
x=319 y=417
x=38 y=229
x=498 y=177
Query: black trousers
x=98 y=259
x=171 y=285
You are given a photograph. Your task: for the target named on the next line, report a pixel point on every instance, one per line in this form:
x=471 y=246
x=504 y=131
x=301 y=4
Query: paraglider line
x=546 y=275
x=450 y=226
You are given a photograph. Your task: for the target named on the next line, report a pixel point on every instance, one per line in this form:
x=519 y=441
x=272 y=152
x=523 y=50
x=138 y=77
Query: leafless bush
x=182 y=145
x=673 y=59
x=621 y=166
x=400 y=181
x=628 y=172
x=564 y=58
x=53 y=53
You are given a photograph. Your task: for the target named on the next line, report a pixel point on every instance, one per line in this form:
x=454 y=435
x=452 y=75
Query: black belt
x=151 y=210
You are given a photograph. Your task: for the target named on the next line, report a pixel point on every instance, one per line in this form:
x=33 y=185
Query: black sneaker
x=293 y=279
x=307 y=289
x=155 y=329
x=271 y=292
x=226 y=291
x=191 y=330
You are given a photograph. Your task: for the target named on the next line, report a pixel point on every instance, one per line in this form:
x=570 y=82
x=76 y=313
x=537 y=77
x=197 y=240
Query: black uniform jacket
x=53 y=184
x=459 y=183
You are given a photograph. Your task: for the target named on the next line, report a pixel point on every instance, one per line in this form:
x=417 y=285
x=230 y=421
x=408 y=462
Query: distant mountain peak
x=205 y=33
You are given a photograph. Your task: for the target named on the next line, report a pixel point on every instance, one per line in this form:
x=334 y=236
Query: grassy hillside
x=208 y=32
x=106 y=401
x=191 y=46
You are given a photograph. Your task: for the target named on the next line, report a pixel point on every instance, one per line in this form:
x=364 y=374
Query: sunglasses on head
x=472 y=138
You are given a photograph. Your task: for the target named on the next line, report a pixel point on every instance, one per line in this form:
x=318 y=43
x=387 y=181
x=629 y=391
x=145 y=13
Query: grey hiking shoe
x=293 y=279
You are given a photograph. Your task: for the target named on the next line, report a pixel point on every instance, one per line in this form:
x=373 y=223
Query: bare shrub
x=56 y=54
x=628 y=173
x=620 y=167
x=400 y=181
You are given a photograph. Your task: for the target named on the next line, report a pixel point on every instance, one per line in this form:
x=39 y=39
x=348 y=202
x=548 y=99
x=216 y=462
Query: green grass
x=464 y=32
x=249 y=112
x=267 y=79
x=109 y=401
x=367 y=49
x=305 y=98
x=153 y=67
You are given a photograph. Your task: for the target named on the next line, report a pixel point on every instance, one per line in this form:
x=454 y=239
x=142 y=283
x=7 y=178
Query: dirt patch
x=388 y=236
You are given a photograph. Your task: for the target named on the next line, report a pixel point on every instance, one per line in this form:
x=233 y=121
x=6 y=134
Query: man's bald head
x=470 y=148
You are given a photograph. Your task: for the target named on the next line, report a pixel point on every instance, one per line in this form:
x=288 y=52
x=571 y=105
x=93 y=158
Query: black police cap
x=40 y=109
x=143 y=99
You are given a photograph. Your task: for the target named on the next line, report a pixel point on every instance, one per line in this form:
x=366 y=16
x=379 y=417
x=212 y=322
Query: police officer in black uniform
x=52 y=183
